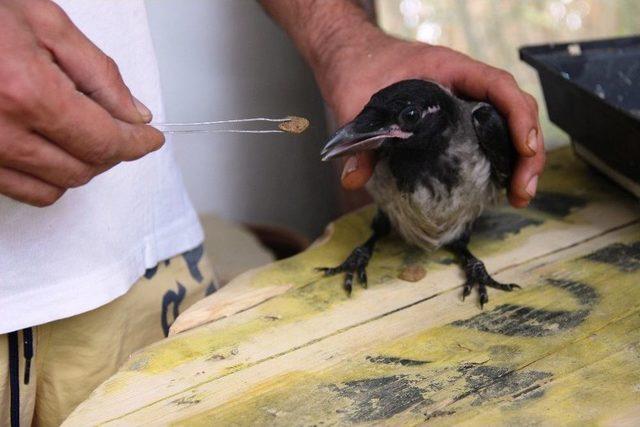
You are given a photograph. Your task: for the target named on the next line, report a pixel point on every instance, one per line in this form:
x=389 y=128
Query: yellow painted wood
x=447 y=373
x=401 y=352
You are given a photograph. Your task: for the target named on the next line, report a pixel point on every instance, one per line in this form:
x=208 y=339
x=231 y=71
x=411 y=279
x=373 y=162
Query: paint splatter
x=390 y=360
x=379 y=398
x=557 y=204
x=518 y=320
x=498 y=225
x=493 y=382
x=625 y=257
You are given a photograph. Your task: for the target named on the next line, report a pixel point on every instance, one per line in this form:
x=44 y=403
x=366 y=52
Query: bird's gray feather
x=434 y=215
x=493 y=136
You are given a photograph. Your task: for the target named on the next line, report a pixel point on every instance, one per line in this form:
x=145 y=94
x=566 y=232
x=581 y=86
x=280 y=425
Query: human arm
x=352 y=59
x=65 y=113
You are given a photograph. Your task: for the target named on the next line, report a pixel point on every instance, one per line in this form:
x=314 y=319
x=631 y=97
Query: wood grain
x=403 y=352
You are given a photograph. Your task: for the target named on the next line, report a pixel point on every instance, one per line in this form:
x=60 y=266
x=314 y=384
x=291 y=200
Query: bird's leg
x=476 y=272
x=356 y=263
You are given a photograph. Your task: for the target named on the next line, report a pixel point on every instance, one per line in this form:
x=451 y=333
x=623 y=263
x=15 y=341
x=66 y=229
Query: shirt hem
x=80 y=295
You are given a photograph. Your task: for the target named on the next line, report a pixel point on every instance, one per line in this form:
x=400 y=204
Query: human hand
x=65 y=112
x=357 y=71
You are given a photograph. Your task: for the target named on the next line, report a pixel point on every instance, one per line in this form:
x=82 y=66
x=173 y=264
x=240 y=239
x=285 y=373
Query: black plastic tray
x=592 y=92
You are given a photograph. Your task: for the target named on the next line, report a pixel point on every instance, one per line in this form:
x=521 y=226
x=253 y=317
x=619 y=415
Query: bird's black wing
x=494 y=139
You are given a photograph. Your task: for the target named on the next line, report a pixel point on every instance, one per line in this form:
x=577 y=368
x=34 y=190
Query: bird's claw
x=362 y=276
x=478 y=275
x=355 y=265
x=466 y=291
x=328 y=271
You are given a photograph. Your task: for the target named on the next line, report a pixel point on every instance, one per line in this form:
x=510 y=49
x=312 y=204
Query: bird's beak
x=346 y=140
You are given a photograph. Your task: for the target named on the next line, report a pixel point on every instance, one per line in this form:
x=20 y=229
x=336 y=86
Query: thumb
x=357 y=170
x=94 y=73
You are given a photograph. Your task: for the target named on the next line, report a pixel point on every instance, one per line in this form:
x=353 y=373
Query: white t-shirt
x=97 y=240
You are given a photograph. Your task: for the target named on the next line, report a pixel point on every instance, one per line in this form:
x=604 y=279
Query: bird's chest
x=435 y=208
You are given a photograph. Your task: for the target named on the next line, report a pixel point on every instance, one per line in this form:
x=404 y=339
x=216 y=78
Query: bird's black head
x=408 y=114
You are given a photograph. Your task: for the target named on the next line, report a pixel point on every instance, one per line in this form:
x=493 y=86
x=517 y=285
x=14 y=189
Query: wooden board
x=290 y=348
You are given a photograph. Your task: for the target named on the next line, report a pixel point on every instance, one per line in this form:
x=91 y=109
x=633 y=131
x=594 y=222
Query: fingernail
x=350 y=166
x=532 y=186
x=143 y=110
x=532 y=141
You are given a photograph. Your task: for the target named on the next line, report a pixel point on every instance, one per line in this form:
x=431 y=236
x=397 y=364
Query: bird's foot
x=355 y=265
x=477 y=275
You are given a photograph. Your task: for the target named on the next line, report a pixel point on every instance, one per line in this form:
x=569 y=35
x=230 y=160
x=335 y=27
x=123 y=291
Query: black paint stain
x=186 y=401
x=494 y=382
x=557 y=204
x=384 y=397
x=481 y=384
x=517 y=320
x=585 y=294
x=497 y=225
x=390 y=360
x=625 y=257
x=379 y=398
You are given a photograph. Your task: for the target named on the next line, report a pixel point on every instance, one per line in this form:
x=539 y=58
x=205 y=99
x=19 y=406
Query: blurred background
x=492 y=31
x=223 y=59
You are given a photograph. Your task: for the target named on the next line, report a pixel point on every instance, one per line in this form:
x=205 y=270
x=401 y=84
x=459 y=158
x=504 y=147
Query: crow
x=440 y=161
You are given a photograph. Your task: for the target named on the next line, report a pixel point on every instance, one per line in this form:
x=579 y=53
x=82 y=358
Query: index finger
x=483 y=82
x=85 y=129
x=94 y=73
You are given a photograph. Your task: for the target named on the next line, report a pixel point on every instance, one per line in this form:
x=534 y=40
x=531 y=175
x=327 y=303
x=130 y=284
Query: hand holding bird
x=360 y=69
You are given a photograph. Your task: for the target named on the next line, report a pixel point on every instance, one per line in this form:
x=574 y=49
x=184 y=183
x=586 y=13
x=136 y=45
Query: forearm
x=323 y=30
x=352 y=59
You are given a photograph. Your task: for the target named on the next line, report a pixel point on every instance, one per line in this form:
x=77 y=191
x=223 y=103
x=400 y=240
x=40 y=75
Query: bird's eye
x=409 y=117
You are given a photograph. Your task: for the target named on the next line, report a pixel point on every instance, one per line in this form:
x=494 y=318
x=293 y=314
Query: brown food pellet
x=294 y=125
x=413 y=273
